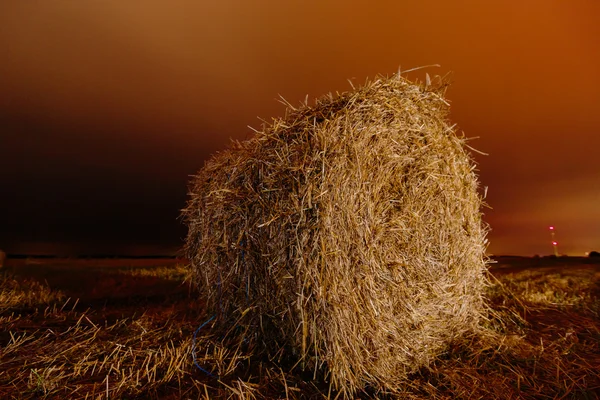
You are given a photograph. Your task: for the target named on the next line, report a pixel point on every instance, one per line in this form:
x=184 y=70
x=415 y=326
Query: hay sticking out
x=347 y=234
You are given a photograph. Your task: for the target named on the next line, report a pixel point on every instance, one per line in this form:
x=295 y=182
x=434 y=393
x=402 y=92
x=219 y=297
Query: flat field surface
x=125 y=329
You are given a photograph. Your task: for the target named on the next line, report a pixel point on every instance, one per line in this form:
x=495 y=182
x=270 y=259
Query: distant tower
x=554 y=242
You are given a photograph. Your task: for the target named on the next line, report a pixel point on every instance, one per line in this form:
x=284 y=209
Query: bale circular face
x=349 y=233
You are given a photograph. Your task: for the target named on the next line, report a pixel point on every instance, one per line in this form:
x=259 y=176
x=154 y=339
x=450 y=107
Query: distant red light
x=551 y=228
x=554 y=243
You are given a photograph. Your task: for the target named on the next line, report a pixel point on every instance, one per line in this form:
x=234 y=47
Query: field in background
x=123 y=329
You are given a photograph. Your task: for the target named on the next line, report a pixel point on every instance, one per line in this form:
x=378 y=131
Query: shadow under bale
x=346 y=235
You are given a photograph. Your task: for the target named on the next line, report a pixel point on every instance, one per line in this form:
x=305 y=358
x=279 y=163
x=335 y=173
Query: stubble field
x=125 y=329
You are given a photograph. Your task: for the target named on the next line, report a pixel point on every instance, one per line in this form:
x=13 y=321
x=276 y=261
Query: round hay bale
x=348 y=234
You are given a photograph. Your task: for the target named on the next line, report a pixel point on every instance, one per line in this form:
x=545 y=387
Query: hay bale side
x=348 y=234
x=2 y=258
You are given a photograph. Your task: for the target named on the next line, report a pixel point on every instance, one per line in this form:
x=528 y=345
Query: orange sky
x=107 y=106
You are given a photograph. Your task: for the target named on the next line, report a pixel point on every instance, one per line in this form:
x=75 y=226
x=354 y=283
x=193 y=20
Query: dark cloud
x=107 y=107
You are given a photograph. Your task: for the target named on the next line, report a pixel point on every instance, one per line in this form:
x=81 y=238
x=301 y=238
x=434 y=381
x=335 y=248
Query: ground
x=125 y=328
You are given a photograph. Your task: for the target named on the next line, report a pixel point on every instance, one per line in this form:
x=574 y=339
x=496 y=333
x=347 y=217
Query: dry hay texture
x=348 y=234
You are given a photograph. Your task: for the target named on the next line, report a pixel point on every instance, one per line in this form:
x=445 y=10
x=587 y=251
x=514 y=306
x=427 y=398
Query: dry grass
x=346 y=236
x=539 y=345
x=26 y=294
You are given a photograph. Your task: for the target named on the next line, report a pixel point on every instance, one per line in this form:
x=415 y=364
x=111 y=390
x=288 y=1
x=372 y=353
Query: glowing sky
x=107 y=106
